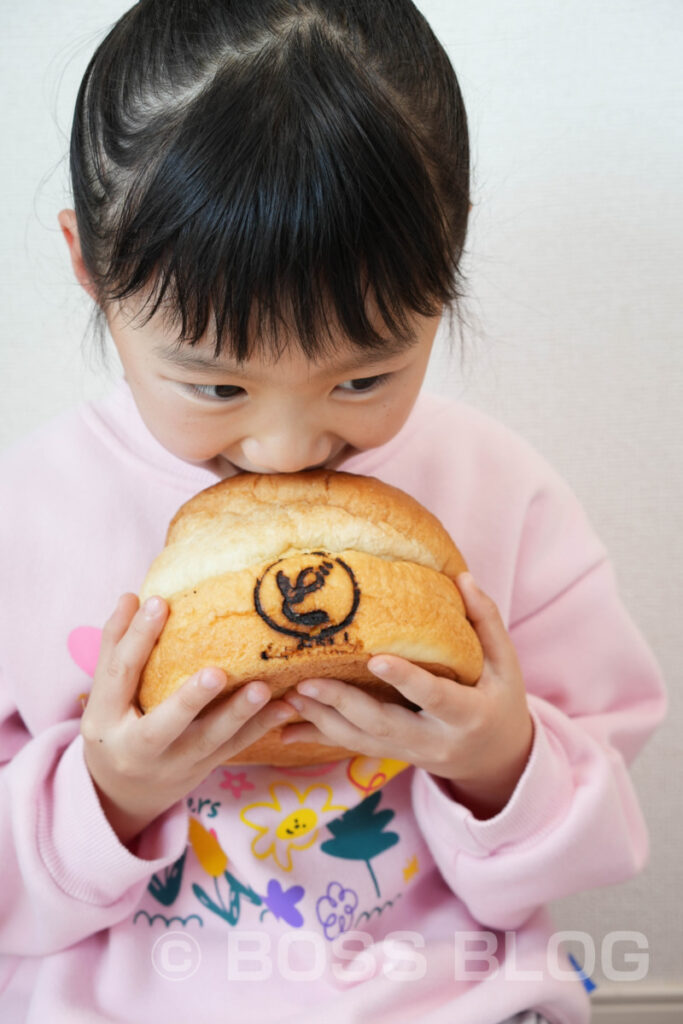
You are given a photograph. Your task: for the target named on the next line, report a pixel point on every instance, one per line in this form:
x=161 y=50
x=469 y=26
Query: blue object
x=589 y=985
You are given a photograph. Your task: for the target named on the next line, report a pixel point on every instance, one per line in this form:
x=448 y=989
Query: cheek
x=376 y=426
x=384 y=421
x=187 y=434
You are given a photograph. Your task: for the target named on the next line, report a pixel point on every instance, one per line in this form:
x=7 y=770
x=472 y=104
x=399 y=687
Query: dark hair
x=272 y=163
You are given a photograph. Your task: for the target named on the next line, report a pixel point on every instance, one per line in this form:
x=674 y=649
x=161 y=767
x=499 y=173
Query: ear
x=69 y=226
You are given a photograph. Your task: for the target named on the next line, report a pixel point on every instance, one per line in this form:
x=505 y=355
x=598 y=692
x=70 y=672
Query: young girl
x=270 y=206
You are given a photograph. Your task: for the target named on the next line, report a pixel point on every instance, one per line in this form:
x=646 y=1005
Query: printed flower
x=236 y=782
x=281 y=903
x=236 y=894
x=412 y=867
x=207 y=848
x=371 y=773
x=291 y=821
x=335 y=909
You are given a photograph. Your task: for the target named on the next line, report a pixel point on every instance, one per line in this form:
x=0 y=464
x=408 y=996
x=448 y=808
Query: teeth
x=218 y=545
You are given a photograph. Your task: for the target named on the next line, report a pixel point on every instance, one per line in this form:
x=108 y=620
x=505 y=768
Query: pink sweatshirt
x=358 y=891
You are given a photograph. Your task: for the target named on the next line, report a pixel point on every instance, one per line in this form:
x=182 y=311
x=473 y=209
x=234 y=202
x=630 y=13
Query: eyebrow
x=189 y=360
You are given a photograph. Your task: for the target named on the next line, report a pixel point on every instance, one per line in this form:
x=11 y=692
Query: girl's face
x=268 y=416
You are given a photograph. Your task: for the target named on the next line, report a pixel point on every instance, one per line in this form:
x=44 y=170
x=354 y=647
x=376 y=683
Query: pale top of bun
x=260 y=518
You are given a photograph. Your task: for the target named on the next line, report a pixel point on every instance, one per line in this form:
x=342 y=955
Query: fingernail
x=209 y=679
x=283 y=713
x=296 y=702
x=308 y=690
x=379 y=667
x=153 y=607
x=257 y=695
x=469 y=581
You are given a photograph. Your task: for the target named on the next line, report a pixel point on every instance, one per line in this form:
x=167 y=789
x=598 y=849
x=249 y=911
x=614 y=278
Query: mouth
x=345 y=453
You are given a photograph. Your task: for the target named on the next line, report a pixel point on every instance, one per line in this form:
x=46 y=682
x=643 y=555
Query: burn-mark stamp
x=311 y=603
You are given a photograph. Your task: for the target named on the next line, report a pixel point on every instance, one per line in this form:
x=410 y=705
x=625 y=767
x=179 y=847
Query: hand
x=477 y=737
x=142 y=764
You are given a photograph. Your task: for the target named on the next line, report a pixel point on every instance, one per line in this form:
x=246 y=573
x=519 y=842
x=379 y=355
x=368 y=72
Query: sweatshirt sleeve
x=66 y=875
x=595 y=695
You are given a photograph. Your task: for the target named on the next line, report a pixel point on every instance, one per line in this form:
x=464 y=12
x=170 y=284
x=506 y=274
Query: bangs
x=287 y=197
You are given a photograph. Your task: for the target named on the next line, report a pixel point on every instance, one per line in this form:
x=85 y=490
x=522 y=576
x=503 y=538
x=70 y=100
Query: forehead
x=276 y=347
x=159 y=340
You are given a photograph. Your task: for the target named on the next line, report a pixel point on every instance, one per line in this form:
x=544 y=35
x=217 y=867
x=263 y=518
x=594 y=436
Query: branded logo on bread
x=310 y=596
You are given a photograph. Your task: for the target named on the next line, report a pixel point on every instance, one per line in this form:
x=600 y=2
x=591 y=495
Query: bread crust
x=296 y=614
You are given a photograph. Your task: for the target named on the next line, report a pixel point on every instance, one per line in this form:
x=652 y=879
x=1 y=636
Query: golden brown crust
x=298 y=613
x=405 y=609
x=366 y=497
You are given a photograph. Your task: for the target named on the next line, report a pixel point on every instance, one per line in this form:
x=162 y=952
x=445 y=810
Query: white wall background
x=575 y=265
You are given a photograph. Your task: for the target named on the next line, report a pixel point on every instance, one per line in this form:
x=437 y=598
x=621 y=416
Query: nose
x=286 y=451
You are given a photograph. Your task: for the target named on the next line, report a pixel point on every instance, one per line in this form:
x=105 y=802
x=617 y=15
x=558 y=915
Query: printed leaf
x=165 y=889
x=358 y=833
x=204 y=898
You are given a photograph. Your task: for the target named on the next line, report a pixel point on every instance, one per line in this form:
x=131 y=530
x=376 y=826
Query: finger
x=441 y=698
x=186 y=716
x=345 y=713
x=233 y=724
x=489 y=626
x=118 y=622
x=306 y=732
x=336 y=732
x=127 y=641
x=274 y=716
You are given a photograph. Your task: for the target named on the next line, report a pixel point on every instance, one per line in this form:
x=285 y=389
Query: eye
x=359 y=384
x=216 y=392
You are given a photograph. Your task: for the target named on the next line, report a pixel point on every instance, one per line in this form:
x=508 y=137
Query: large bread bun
x=286 y=577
